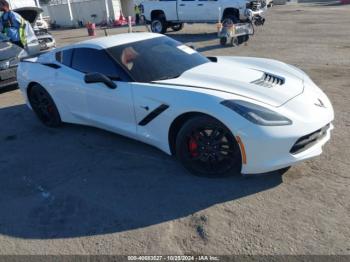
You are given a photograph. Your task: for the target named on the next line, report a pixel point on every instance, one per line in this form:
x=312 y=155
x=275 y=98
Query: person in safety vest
x=137 y=14
x=12 y=25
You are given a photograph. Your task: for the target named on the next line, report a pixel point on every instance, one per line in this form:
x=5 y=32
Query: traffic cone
x=122 y=20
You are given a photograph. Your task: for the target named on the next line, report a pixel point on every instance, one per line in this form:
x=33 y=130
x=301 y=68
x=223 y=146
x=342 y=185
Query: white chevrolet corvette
x=218 y=115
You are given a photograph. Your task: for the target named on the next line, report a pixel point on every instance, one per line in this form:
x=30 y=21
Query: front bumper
x=270 y=148
x=268 y=152
x=8 y=77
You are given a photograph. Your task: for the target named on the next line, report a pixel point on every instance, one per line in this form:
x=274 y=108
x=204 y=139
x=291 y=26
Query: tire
x=206 y=147
x=177 y=27
x=234 y=41
x=242 y=39
x=159 y=25
x=44 y=106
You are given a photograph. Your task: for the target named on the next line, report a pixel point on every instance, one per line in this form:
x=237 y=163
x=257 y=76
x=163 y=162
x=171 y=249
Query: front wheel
x=207 y=148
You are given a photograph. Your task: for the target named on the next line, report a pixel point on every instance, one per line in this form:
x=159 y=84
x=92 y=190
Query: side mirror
x=99 y=78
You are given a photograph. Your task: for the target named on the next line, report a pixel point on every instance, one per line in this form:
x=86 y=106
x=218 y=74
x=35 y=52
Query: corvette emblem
x=320 y=103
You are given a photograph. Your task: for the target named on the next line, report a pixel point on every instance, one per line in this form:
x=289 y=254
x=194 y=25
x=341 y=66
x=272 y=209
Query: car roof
x=115 y=40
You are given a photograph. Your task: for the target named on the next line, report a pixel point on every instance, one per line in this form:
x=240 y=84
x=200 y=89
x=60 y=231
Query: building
x=68 y=13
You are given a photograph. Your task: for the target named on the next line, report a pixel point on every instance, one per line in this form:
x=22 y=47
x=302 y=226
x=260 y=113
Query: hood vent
x=269 y=80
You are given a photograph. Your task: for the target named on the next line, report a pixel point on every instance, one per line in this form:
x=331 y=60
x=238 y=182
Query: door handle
x=182 y=4
x=200 y=4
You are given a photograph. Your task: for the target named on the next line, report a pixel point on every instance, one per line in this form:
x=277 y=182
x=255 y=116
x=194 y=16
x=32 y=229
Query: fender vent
x=269 y=80
x=156 y=112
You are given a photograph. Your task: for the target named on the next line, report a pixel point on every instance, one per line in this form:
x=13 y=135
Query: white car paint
x=200 y=89
x=196 y=10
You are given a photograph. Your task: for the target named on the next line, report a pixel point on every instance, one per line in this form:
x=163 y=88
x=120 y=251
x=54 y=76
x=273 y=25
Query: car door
x=190 y=10
x=70 y=89
x=108 y=108
x=210 y=10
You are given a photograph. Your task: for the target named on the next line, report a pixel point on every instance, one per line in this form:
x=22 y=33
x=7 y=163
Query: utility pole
x=70 y=12
x=107 y=11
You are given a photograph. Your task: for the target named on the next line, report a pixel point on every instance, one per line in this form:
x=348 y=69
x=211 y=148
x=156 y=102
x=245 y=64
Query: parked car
x=10 y=54
x=165 y=14
x=9 y=58
x=41 y=24
x=31 y=14
x=46 y=40
x=217 y=115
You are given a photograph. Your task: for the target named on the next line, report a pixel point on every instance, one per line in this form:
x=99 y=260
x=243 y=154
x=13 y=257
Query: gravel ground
x=79 y=190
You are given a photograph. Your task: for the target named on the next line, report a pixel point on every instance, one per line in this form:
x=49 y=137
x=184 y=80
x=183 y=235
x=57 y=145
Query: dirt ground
x=80 y=190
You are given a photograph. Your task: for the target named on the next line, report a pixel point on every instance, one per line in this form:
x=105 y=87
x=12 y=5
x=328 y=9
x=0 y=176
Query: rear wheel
x=207 y=148
x=159 y=25
x=44 y=106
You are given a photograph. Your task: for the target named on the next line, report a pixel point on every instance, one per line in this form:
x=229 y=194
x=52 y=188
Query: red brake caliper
x=192 y=146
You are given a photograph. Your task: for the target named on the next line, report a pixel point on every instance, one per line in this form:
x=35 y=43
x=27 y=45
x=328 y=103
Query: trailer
x=235 y=34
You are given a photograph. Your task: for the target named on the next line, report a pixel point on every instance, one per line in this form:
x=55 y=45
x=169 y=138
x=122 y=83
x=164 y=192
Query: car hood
x=30 y=14
x=8 y=50
x=265 y=80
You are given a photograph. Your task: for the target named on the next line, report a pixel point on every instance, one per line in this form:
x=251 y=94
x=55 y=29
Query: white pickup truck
x=164 y=14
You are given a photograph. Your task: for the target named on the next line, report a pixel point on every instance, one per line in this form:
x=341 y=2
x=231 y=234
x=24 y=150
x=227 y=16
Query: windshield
x=156 y=59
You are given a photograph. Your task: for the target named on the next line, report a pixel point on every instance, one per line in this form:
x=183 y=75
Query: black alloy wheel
x=44 y=106
x=207 y=148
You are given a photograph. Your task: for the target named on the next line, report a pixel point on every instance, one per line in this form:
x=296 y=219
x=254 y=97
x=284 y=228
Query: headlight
x=14 y=62
x=4 y=64
x=257 y=114
x=8 y=63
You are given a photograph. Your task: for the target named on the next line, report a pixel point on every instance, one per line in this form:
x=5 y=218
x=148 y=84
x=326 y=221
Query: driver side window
x=89 y=60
